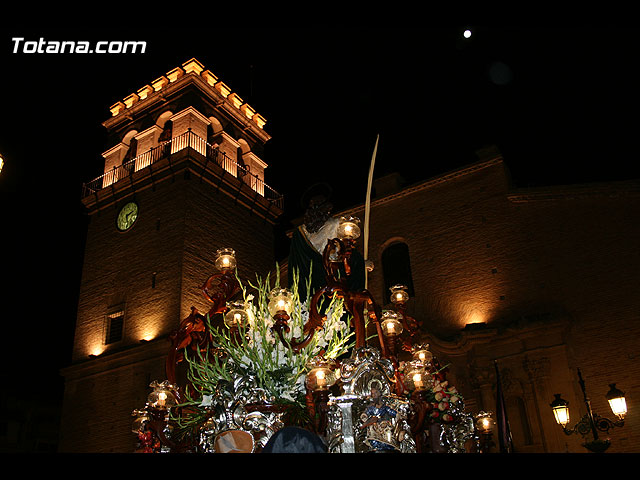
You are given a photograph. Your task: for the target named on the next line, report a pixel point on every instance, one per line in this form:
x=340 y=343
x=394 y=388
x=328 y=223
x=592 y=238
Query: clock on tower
x=127 y=216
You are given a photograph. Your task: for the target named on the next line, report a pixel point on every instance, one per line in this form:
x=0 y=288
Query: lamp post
x=591 y=422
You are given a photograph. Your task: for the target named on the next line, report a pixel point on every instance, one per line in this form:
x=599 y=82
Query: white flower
x=297 y=331
x=264 y=352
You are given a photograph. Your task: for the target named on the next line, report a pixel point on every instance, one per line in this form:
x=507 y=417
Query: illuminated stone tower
x=183 y=178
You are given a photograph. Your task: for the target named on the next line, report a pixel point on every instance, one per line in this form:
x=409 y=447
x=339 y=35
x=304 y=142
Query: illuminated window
x=396 y=268
x=114 y=327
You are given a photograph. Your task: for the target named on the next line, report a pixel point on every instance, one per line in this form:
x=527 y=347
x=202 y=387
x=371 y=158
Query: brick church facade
x=541 y=281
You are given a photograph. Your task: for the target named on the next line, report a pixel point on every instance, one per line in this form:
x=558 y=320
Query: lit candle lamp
x=162 y=396
x=416 y=377
x=391 y=325
x=320 y=376
x=280 y=302
x=422 y=354
x=484 y=422
x=225 y=259
x=399 y=294
x=349 y=228
x=141 y=417
x=321 y=379
x=237 y=316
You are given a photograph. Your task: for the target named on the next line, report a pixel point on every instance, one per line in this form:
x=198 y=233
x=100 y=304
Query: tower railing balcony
x=185 y=140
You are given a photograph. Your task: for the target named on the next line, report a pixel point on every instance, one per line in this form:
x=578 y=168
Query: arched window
x=396 y=268
x=166 y=124
x=132 y=151
x=166 y=134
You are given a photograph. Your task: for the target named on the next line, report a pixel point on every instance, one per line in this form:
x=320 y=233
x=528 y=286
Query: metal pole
x=588 y=404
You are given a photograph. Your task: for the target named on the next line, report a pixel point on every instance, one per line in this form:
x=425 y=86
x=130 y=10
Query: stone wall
x=154 y=271
x=544 y=277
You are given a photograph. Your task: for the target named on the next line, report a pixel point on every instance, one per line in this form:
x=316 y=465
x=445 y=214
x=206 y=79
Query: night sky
x=561 y=104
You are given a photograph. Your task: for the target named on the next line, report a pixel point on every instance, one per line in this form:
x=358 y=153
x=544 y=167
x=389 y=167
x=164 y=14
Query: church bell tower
x=183 y=178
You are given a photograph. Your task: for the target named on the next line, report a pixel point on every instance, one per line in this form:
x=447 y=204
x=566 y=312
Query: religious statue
x=310 y=239
x=383 y=427
x=378 y=421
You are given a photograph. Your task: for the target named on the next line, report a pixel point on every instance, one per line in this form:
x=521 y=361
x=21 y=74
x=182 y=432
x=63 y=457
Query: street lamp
x=560 y=408
x=617 y=401
x=591 y=422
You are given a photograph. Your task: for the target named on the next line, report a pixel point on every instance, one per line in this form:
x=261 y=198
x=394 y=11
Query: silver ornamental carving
x=228 y=410
x=454 y=436
x=367 y=416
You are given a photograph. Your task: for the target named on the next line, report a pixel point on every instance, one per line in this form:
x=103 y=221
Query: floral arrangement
x=444 y=401
x=255 y=351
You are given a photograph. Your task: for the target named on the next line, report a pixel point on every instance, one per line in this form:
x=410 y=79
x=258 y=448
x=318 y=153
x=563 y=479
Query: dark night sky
x=561 y=105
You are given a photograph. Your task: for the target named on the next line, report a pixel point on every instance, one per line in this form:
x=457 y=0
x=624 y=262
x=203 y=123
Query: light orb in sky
x=467 y=34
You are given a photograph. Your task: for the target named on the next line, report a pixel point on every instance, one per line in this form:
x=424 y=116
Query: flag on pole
x=505 y=441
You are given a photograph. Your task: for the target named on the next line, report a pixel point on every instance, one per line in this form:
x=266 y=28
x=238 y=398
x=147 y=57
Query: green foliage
x=256 y=351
